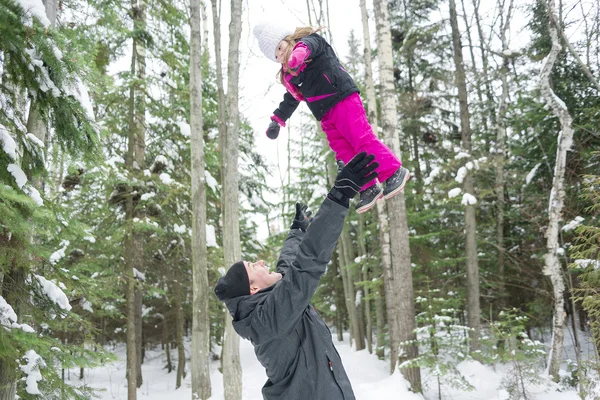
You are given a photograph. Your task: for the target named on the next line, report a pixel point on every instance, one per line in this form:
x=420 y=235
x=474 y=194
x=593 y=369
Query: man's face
x=259 y=276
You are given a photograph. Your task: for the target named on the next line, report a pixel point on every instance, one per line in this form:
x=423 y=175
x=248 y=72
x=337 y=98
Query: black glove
x=302 y=219
x=273 y=130
x=359 y=171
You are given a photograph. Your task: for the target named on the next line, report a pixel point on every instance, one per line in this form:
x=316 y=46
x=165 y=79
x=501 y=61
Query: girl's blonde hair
x=292 y=40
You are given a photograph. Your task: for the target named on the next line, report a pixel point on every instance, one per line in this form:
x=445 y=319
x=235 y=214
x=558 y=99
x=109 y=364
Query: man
x=272 y=310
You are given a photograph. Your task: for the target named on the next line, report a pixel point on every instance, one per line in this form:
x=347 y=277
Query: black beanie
x=235 y=282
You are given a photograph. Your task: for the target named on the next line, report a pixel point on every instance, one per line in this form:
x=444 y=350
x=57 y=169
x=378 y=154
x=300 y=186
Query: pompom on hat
x=268 y=36
x=235 y=283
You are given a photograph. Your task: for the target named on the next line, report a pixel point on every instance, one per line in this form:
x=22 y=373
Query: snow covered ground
x=369 y=377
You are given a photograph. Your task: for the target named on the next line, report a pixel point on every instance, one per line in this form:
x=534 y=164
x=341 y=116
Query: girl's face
x=280 y=51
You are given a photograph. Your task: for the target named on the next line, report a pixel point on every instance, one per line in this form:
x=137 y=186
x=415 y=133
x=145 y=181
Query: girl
x=311 y=72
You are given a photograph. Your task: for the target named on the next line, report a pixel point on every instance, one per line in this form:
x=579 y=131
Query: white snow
x=34 y=8
x=147 y=196
x=35 y=140
x=165 y=178
x=80 y=92
x=358 y=298
x=180 y=228
x=369 y=376
x=34 y=194
x=86 y=305
x=454 y=192
x=211 y=238
x=435 y=172
x=90 y=239
x=210 y=180
x=7 y=313
x=54 y=293
x=461 y=174
x=139 y=275
x=32 y=370
x=573 y=224
x=587 y=263
x=8 y=143
x=184 y=128
x=18 y=174
x=531 y=173
x=461 y=154
x=468 y=199
x=60 y=253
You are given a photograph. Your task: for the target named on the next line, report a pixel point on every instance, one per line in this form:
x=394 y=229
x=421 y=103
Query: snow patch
x=573 y=224
x=18 y=174
x=32 y=370
x=54 y=293
x=454 y=192
x=8 y=144
x=468 y=200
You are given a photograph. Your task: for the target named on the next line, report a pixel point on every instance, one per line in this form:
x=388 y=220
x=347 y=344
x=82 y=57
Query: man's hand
x=303 y=218
x=273 y=130
x=359 y=171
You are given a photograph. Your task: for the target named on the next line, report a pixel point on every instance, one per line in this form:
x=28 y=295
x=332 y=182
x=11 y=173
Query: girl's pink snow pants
x=348 y=132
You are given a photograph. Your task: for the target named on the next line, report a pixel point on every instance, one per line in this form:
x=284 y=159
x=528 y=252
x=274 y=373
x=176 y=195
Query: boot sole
x=370 y=205
x=399 y=188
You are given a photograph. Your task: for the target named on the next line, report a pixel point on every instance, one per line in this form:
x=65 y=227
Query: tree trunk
x=473 y=308
x=346 y=249
x=13 y=291
x=365 y=278
x=499 y=155
x=179 y=332
x=380 y=324
x=232 y=371
x=484 y=62
x=347 y=298
x=381 y=212
x=399 y=287
x=167 y=345
x=478 y=83
x=552 y=265
x=138 y=326
x=200 y=357
x=219 y=69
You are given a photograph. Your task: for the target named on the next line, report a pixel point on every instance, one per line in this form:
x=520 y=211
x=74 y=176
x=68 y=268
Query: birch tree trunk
x=552 y=266
x=473 y=308
x=384 y=236
x=500 y=151
x=232 y=371
x=201 y=387
x=346 y=249
x=365 y=278
x=219 y=69
x=399 y=287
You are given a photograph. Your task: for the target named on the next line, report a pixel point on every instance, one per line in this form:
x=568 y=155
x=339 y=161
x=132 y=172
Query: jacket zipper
x=333 y=375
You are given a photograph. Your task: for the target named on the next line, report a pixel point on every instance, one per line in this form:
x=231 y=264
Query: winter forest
x=134 y=170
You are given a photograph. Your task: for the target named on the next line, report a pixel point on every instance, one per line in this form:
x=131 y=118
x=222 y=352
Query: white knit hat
x=269 y=35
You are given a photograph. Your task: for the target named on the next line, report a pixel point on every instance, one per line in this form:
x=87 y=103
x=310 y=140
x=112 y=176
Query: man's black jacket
x=290 y=339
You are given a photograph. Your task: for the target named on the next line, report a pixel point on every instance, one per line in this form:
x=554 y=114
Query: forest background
x=134 y=169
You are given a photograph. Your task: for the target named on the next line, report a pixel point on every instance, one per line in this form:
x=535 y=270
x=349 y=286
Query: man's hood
x=241 y=309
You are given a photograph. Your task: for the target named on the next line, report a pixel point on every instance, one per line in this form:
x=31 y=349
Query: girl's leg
x=349 y=119
x=339 y=144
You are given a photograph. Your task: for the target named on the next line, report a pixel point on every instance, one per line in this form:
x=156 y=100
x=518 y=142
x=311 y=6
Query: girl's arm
x=315 y=44
x=286 y=107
